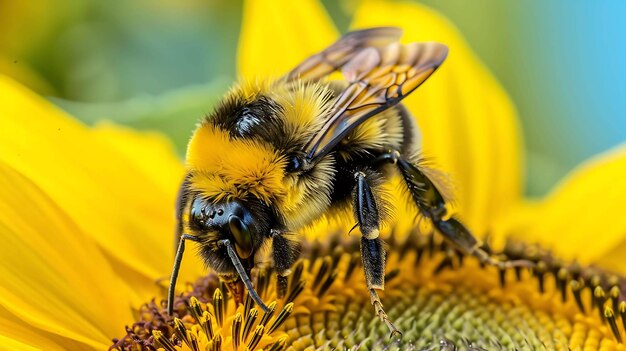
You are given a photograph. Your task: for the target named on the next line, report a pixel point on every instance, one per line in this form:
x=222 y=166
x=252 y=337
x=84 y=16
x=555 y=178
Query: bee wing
x=378 y=79
x=342 y=51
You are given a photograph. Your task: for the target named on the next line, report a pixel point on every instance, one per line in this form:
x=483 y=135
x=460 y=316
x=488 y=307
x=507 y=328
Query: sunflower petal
x=583 y=218
x=15 y=334
x=277 y=35
x=54 y=279
x=117 y=187
x=468 y=123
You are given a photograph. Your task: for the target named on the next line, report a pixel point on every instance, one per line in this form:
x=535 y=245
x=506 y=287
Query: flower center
x=439 y=298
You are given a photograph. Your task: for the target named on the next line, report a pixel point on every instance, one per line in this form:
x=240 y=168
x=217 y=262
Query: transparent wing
x=334 y=57
x=378 y=79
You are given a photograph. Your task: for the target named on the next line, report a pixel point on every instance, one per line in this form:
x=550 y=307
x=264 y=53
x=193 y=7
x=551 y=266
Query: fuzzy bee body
x=277 y=155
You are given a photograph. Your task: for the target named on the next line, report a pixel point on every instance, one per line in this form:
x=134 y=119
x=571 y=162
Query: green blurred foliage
x=150 y=64
x=113 y=50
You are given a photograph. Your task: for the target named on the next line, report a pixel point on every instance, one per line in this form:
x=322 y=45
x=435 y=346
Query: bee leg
x=455 y=231
x=372 y=250
x=175 y=270
x=285 y=252
x=242 y=272
x=431 y=204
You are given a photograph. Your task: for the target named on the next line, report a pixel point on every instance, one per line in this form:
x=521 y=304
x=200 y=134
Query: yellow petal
x=277 y=35
x=583 y=218
x=54 y=278
x=118 y=188
x=12 y=344
x=468 y=123
x=16 y=335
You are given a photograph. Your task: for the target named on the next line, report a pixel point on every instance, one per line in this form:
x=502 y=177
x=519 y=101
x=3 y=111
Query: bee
x=277 y=155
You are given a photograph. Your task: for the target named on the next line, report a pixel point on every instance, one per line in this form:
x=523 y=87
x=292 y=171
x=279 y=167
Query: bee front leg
x=285 y=252
x=372 y=250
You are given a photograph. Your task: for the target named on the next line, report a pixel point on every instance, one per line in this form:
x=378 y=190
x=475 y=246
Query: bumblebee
x=277 y=155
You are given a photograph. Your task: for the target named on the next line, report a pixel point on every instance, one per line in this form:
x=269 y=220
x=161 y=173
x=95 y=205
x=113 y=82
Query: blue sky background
x=564 y=65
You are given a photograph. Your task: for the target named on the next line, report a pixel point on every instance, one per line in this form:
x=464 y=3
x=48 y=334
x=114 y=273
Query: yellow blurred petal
x=468 y=123
x=122 y=194
x=53 y=278
x=277 y=34
x=19 y=337
x=583 y=218
x=12 y=344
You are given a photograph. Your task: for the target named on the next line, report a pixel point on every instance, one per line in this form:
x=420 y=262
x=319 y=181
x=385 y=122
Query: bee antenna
x=177 y=262
x=243 y=275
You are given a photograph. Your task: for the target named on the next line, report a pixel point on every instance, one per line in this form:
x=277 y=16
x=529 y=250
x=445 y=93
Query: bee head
x=246 y=151
x=244 y=224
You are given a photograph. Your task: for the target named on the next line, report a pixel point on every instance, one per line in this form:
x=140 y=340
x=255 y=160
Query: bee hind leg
x=431 y=204
x=458 y=234
x=372 y=250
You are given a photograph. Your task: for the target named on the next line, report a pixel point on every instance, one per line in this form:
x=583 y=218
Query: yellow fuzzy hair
x=223 y=168
x=304 y=105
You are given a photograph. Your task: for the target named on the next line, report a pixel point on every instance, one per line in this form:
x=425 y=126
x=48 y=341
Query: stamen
x=262 y=282
x=594 y=282
x=577 y=287
x=445 y=263
x=614 y=294
x=282 y=316
x=216 y=343
x=195 y=309
x=502 y=276
x=223 y=288
x=247 y=304
x=271 y=308
x=256 y=337
x=182 y=333
x=540 y=272
x=279 y=345
x=162 y=341
x=355 y=260
x=298 y=288
x=622 y=313
x=391 y=275
x=205 y=323
x=249 y=322
x=598 y=297
x=297 y=273
x=518 y=273
x=321 y=272
x=194 y=343
x=236 y=331
x=219 y=306
x=561 y=283
x=610 y=317
x=327 y=283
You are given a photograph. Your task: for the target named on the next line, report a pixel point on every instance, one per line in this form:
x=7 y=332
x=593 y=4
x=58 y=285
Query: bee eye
x=294 y=164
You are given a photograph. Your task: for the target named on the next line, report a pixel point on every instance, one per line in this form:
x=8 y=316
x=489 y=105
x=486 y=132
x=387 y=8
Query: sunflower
x=86 y=223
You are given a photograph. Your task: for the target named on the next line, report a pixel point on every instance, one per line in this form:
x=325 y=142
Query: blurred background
x=161 y=64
